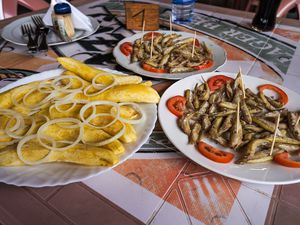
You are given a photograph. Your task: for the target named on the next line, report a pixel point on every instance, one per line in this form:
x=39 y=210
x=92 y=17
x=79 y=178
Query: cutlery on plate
x=42 y=31
x=27 y=31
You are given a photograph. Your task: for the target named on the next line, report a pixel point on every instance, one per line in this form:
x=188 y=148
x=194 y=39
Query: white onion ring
x=100 y=87
x=44 y=85
x=68 y=97
x=42 y=102
x=40 y=136
x=16 y=136
x=109 y=140
x=68 y=85
x=138 y=109
x=20 y=155
x=59 y=103
x=6 y=143
x=14 y=98
x=20 y=124
x=94 y=115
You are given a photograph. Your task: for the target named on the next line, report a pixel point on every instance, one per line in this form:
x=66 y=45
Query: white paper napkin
x=80 y=21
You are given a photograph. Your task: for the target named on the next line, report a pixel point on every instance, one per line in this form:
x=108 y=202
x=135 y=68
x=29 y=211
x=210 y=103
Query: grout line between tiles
x=50 y=207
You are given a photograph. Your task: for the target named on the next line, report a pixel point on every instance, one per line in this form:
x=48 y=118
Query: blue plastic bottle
x=182 y=11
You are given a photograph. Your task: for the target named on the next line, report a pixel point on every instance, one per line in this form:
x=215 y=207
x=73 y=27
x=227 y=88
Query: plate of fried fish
x=241 y=127
x=169 y=55
x=66 y=125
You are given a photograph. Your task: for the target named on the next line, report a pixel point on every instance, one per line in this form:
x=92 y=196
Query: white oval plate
x=219 y=57
x=263 y=173
x=53 y=174
x=12 y=32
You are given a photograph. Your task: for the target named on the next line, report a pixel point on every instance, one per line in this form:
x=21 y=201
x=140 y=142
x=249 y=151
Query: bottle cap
x=62 y=8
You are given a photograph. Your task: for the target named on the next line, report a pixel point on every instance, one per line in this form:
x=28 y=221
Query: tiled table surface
x=97 y=200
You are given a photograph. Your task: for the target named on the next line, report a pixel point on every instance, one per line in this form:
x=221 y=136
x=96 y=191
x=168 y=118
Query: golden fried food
x=82 y=116
x=6 y=97
x=79 y=154
x=125 y=93
x=87 y=72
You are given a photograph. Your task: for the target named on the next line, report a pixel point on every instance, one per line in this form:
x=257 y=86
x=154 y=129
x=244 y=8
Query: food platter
x=63 y=173
x=12 y=32
x=263 y=173
x=218 y=53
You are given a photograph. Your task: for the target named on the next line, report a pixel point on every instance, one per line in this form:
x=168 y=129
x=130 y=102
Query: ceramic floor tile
x=80 y=205
x=207 y=198
x=286 y=214
x=261 y=70
x=260 y=188
x=194 y=169
x=254 y=203
x=147 y=173
x=45 y=192
x=168 y=213
x=25 y=209
x=288 y=194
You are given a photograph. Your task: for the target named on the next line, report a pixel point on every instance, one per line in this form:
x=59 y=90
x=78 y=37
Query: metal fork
x=27 y=30
x=43 y=30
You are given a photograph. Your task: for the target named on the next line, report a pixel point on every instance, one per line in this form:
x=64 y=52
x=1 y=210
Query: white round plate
x=219 y=57
x=53 y=174
x=12 y=32
x=263 y=173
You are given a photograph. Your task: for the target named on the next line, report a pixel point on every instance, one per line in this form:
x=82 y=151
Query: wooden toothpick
x=275 y=134
x=143 y=31
x=170 y=21
x=297 y=121
x=237 y=117
x=194 y=41
x=151 y=49
x=242 y=83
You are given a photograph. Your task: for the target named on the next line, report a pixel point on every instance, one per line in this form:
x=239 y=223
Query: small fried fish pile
x=240 y=119
x=170 y=53
x=84 y=116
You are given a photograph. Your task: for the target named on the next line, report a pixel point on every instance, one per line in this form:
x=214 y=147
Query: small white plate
x=219 y=57
x=12 y=32
x=53 y=174
x=263 y=173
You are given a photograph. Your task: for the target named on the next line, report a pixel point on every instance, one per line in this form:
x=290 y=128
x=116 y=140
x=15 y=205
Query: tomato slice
x=197 y=43
x=218 y=81
x=126 y=48
x=153 y=69
x=283 y=98
x=284 y=160
x=148 y=36
x=206 y=65
x=214 y=154
x=176 y=105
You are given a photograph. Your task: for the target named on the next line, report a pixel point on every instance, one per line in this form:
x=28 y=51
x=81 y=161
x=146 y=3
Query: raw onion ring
x=138 y=109
x=68 y=85
x=100 y=87
x=20 y=155
x=40 y=136
x=94 y=115
x=109 y=140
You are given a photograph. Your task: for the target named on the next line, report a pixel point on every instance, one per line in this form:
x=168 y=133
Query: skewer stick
x=298 y=119
x=194 y=41
x=275 y=134
x=143 y=31
x=242 y=83
x=151 y=49
x=170 y=21
x=237 y=116
x=203 y=79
